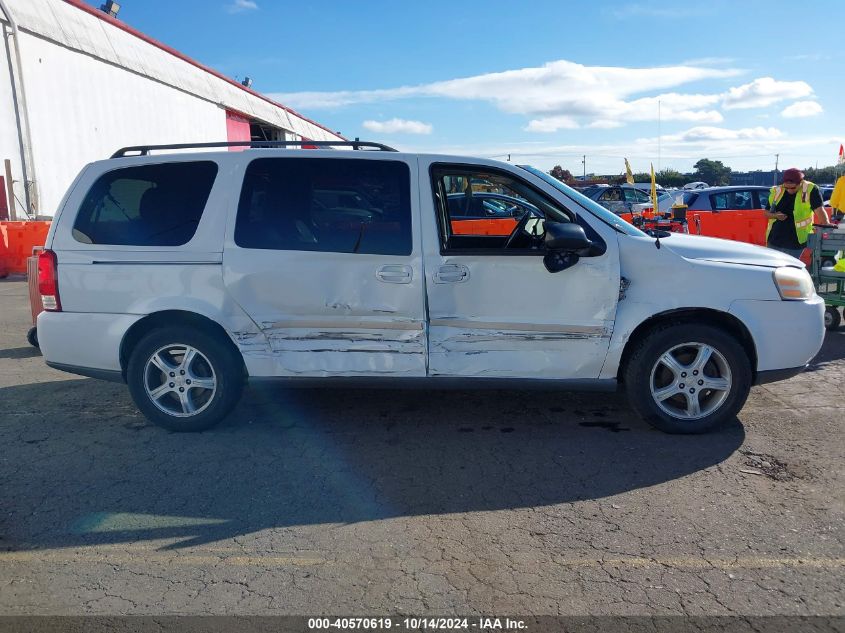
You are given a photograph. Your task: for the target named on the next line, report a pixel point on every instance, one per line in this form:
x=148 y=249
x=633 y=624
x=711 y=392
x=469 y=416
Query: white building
x=77 y=84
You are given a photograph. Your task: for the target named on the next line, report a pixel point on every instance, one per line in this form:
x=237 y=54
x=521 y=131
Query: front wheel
x=687 y=378
x=184 y=379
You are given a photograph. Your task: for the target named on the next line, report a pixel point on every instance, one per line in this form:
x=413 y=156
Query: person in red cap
x=793 y=207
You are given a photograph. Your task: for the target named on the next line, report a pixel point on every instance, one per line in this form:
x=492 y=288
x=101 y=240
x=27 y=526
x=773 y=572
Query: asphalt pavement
x=385 y=502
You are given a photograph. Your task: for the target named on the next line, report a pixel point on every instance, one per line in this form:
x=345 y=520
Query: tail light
x=48 y=281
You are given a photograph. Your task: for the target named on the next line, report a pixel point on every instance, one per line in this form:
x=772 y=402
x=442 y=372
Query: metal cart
x=830 y=284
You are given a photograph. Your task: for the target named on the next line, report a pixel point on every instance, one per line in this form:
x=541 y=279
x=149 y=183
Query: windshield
x=608 y=217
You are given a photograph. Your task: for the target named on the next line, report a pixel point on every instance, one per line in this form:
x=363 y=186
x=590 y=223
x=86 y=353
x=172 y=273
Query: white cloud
x=396 y=126
x=801 y=109
x=563 y=95
x=764 y=92
x=239 y=6
x=741 y=150
x=558 y=95
x=552 y=124
x=704 y=133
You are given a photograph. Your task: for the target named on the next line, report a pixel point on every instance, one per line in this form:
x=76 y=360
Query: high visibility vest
x=802 y=212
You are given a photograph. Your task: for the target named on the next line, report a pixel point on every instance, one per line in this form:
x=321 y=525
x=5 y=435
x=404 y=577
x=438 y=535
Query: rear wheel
x=832 y=318
x=32 y=336
x=184 y=379
x=687 y=378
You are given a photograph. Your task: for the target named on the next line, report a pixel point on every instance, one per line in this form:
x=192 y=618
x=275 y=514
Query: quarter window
x=325 y=204
x=147 y=205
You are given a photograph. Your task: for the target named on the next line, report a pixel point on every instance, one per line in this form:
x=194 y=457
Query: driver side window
x=480 y=208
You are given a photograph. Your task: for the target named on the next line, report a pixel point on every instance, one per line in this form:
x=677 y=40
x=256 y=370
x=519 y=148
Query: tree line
x=713 y=172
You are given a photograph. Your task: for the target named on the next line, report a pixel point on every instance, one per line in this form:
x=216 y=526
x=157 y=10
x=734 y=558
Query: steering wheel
x=520 y=227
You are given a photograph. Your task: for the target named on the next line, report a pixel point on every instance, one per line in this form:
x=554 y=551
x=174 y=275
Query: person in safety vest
x=793 y=207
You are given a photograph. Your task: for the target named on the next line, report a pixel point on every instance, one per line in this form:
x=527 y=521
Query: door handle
x=451 y=274
x=395 y=274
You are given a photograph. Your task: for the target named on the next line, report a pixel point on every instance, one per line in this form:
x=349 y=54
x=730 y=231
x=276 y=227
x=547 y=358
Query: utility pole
x=775 y=177
x=658 y=135
x=584 y=162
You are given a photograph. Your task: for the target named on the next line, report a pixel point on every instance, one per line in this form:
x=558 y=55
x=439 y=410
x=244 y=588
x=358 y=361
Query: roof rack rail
x=144 y=150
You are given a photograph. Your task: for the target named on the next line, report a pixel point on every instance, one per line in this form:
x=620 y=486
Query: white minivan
x=187 y=274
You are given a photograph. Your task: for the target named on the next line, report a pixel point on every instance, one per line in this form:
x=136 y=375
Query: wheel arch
x=170 y=318
x=698 y=316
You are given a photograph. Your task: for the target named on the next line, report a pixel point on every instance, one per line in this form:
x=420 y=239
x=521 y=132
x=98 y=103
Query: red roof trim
x=84 y=6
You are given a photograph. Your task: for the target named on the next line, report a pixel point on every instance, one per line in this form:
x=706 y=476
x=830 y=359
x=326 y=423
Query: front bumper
x=787 y=334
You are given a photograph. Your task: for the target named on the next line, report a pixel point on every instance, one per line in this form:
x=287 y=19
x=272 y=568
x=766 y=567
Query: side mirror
x=565 y=242
x=566 y=236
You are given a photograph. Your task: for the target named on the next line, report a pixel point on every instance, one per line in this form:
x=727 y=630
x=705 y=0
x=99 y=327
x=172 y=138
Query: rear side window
x=148 y=205
x=326 y=204
x=733 y=200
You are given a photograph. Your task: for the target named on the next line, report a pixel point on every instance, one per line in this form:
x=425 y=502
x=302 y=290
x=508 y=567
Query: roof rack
x=144 y=150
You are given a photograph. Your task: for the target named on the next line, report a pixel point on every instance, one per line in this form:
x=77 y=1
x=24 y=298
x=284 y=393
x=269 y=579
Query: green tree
x=561 y=174
x=713 y=172
x=671 y=178
x=822 y=175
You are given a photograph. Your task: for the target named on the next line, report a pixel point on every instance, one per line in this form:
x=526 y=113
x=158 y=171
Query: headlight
x=793 y=284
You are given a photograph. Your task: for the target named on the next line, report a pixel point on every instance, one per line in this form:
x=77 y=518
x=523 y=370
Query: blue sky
x=546 y=82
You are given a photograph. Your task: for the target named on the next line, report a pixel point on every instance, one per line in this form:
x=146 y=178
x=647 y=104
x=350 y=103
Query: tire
x=832 y=318
x=32 y=337
x=827 y=262
x=647 y=373
x=214 y=363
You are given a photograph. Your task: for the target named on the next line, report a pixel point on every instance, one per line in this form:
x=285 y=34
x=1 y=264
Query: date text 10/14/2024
x=417 y=624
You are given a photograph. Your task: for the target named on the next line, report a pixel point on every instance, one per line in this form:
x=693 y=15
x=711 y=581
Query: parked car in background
x=826 y=192
x=485 y=212
x=487 y=205
x=621 y=199
x=733 y=213
x=696 y=185
x=727 y=198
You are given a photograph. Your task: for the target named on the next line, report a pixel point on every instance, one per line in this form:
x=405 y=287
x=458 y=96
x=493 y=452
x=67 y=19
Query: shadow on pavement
x=80 y=466
x=20 y=352
x=832 y=350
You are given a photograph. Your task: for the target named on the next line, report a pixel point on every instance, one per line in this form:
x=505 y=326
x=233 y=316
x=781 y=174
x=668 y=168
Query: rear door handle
x=395 y=274
x=451 y=274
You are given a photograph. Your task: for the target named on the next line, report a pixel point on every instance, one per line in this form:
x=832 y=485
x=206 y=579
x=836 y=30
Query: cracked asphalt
x=413 y=502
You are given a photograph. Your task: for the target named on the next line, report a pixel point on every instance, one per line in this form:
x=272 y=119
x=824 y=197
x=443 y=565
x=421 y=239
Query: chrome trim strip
x=586 y=330
x=124 y=262
x=342 y=325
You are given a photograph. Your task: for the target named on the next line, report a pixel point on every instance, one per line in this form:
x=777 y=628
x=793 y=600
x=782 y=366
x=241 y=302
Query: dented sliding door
x=324 y=260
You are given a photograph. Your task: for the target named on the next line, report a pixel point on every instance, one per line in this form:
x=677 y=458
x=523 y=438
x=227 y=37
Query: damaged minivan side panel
x=507 y=316
x=323 y=257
